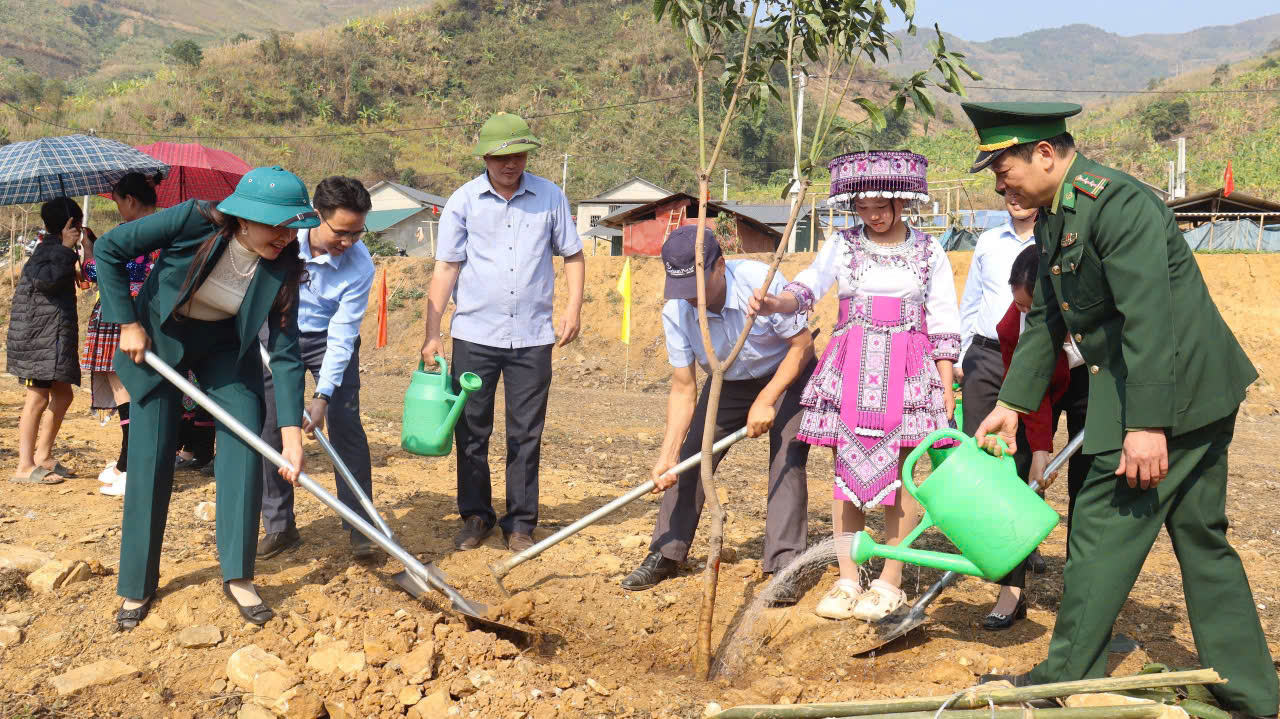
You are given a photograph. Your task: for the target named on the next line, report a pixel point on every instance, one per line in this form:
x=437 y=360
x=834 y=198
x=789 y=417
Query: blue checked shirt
x=507 y=281
x=766 y=344
x=333 y=300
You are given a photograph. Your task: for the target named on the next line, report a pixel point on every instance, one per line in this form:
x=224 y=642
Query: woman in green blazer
x=221 y=275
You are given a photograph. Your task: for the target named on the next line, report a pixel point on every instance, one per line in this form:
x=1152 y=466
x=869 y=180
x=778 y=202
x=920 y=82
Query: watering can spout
x=431 y=409
x=864 y=548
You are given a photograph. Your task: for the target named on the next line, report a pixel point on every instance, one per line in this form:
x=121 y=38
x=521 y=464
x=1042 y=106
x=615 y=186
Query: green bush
x=379 y=245
x=186 y=52
x=1166 y=118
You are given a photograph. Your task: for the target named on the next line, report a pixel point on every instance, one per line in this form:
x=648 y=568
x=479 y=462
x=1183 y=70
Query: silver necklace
x=236 y=268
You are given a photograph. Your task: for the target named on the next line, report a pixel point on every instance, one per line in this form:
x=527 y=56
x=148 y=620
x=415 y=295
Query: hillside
x=427 y=73
x=73 y=38
x=1083 y=57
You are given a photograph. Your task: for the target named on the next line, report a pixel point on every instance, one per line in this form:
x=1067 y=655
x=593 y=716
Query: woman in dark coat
x=42 y=341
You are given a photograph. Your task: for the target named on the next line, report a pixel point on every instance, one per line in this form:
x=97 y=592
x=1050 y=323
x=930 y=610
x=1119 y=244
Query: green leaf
x=1202 y=710
x=909 y=9
x=1198 y=693
x=1154 y=668
x=695 y=32
x=787 y=189
x=874 y=113
x=659 y=9
x=815 y=21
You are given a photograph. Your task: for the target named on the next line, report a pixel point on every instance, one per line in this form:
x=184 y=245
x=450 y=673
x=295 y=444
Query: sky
x=980 y=20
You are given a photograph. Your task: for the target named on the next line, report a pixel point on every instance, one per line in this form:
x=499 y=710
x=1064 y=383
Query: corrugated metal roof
x=379 y=220
x=414 y=193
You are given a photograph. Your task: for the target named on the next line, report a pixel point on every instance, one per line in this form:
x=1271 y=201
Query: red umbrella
x=195 y=172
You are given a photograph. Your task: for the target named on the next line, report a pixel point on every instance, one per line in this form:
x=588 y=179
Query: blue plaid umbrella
x=67 y=166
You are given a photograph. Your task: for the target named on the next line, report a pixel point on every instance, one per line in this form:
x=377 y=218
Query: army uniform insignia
x=1068 y=239
x=1090 y=184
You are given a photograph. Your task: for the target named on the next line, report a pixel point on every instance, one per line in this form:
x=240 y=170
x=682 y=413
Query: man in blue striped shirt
x=331 y=306
x=498 y=235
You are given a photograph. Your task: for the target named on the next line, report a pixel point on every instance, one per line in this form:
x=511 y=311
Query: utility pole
x=1180 y=190
x=801 y=79
x=724 y=197
x=564 y=174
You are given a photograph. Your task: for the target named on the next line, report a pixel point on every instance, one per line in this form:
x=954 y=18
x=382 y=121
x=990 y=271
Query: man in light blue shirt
x=762 y=391
x=331 y=306
x=498 y=236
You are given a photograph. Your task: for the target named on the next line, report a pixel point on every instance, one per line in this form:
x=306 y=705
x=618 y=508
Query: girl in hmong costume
x=884 y=381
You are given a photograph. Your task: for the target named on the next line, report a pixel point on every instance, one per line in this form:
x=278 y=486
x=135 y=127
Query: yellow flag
x=624 y=289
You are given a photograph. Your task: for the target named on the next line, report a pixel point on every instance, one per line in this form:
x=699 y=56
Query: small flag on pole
x=382 y=312
x=624 y=289
x=1228 y=181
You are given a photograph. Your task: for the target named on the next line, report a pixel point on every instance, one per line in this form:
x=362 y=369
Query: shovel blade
x=893 y=627
x=474 y=613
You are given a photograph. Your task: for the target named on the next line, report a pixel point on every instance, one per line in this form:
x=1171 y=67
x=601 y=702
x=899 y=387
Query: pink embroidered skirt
x=875 y=391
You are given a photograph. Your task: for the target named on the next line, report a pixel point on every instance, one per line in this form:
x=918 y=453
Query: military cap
x=1002 y=125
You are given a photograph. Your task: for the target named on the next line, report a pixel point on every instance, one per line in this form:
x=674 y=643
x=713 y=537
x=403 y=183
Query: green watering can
x=938 y=455
x=431 y=409
x=979 y=503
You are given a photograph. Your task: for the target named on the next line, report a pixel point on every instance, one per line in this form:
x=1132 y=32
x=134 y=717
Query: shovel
x=901 y=623
x=503 y=568
x=423 y=576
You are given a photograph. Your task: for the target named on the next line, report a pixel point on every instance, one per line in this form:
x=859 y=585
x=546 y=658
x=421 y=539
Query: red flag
x=382 y=312
x=1228 y=181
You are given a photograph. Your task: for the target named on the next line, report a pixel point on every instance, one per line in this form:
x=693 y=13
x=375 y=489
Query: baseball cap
x=678 y=259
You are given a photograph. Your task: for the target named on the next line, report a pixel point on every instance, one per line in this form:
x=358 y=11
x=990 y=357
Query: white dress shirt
x=766 y=344
x=987 y=294
x=333 y=300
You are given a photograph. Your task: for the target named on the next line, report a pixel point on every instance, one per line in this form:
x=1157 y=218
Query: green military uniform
x=1116 y=273
x=224 y=357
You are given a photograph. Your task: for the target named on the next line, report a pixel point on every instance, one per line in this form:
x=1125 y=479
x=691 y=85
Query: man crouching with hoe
x=761 y=390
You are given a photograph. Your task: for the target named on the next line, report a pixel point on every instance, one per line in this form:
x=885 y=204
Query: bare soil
x=603 y=651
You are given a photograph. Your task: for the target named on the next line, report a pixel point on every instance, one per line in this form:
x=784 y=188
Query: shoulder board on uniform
x=1090 y=184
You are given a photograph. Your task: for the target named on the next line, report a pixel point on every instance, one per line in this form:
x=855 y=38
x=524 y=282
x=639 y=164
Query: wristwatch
x=320 y=395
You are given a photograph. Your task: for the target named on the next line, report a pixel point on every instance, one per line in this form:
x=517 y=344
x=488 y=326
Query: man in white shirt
x=987 y=297
x=761 y=391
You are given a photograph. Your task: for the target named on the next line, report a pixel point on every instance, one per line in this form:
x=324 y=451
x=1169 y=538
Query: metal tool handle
x=426 y=573
x=338 y=464
x=501 y=569
x=949 y=578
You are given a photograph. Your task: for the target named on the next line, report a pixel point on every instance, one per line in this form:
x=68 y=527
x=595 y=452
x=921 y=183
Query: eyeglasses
x=351 y=235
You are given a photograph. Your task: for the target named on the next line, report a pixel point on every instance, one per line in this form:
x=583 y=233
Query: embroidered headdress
x=894 y=174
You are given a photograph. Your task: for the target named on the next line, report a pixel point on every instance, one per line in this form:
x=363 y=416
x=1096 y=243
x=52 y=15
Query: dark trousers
x=342 y=427
x=983 y=369
x=210 y=351
x=526 y=377
x=787 y=505
x=1112 y=532
x=1073 y=404
x=195 y=434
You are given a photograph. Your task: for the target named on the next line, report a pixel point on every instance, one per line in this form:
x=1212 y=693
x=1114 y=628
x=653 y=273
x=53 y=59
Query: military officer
x=1166 y=377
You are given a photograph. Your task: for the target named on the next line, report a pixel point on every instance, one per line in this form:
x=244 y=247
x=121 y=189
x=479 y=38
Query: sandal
x=258 y=614
x=839 y=602
x=39 y=475
x=127 y=619
x=879 y=601
x=61 y=470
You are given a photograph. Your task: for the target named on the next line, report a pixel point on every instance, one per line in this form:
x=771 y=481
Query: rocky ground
x=348 y=642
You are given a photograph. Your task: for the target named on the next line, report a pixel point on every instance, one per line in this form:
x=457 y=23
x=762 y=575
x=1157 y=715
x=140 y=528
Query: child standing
x=884 y=381
x=41 y=350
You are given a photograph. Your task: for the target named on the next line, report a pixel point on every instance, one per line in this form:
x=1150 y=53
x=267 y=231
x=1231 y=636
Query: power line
x=348 y=133
x=1060 y=91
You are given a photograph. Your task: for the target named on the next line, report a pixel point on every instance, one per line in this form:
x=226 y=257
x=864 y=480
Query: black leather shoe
x=363 y=548
x=207 y=470
x=127 y=619
x=785 y=595
x=1036 y=563
x=193 y=464
x=473 y=533
x=277 y=542
x=998 y=621
x=652 y=570
x=258 y=614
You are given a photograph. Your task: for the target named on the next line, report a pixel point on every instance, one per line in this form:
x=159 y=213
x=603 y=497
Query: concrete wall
x=389 y=198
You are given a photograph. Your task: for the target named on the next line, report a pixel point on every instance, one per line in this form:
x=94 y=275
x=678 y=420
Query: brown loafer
x=518 y=541
x=473 y=533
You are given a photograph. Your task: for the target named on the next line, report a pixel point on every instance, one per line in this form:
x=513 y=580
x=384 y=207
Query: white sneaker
x=109 y=475
x=879 y=601
x=838 y=603
x=115 y=488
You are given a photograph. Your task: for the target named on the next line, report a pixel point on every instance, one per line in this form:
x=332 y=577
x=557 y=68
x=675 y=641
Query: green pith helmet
x=273 y=196
x=1002 y=125
x=505 y=134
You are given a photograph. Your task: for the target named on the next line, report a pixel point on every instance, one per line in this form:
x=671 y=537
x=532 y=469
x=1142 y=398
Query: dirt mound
x=13 y=585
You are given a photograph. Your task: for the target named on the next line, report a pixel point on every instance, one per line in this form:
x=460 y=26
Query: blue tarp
x=1234 y=235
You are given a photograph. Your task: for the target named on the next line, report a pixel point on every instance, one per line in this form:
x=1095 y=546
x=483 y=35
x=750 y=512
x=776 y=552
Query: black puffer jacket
x=43 y=324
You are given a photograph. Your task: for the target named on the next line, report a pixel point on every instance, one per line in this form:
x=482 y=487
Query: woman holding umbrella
x=222 y=274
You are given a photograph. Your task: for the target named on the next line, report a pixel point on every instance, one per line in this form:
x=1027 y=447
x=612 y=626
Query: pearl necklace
x=236 y=268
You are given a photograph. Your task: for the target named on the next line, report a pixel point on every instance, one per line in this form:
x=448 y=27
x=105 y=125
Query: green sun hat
x=505 y=134
x=274 y=197
x=1002 y=125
